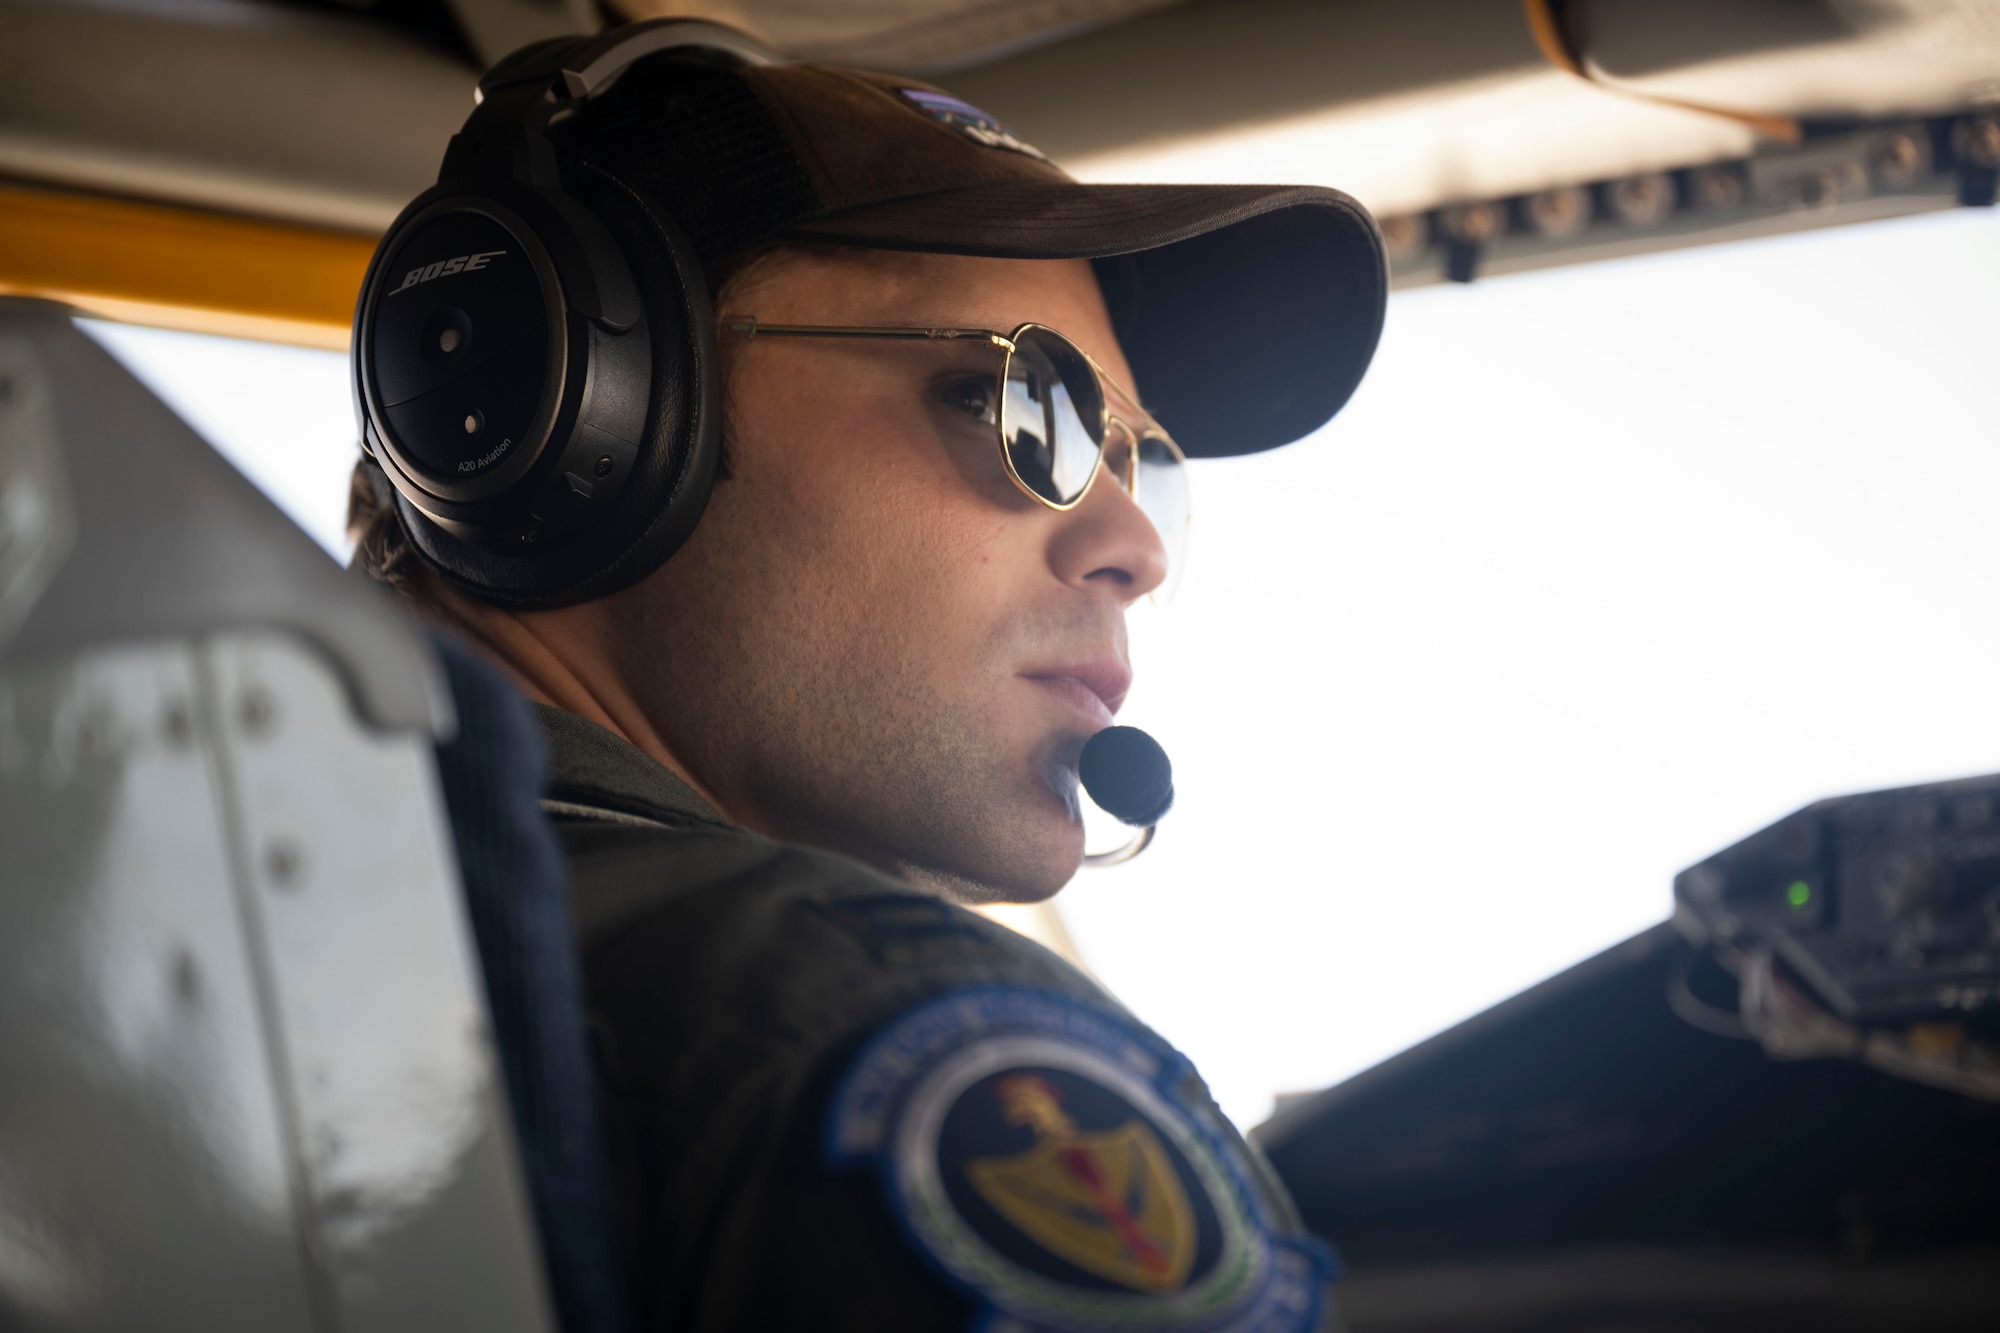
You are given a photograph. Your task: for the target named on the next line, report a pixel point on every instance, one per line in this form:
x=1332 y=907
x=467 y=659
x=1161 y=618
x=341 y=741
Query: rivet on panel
x=185 y=975
x=1718 y=188
x=256 y=711
x=284 y=862
x=1641 y=201
x=1977 y=140
x=97 y=733
x=1899 y=159
x=177 y=724
x=1558 y=214
x=1405 y=237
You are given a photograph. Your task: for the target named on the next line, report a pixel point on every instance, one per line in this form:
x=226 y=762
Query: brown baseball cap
x=1248 y=312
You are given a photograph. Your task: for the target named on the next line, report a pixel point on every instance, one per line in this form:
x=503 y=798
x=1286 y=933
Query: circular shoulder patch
x=1037 y=1152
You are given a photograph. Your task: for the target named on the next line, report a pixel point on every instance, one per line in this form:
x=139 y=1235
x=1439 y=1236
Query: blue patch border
x=871 y=1100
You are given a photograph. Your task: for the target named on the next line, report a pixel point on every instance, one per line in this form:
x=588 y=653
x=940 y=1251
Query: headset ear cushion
x=669 y=485
x=666 y=490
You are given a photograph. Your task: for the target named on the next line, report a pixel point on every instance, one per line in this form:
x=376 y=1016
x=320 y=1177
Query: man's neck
x=553 y=659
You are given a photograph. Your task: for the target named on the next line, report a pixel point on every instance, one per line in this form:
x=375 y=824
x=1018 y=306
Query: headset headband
x=521 y=96
x=596 y=63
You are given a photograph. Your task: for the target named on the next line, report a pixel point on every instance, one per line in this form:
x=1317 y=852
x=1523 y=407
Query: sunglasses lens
x=1051 y=416
x=1161 y=488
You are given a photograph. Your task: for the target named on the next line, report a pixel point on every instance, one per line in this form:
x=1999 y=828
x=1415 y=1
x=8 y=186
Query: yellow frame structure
x=180 y=268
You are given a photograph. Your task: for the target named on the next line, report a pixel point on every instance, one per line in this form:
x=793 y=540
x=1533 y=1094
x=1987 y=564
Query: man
x=855 y=699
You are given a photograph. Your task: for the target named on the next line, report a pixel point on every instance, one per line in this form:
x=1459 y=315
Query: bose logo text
x=444 y=268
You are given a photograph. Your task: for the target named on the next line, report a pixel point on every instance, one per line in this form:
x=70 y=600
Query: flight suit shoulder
x=836 y=1102
x=827 y=937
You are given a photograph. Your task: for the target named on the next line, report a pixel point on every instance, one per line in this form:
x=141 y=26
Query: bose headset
x=534 y=357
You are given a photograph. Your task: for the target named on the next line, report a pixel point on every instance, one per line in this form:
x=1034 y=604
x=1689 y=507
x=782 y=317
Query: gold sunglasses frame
x=746 y=328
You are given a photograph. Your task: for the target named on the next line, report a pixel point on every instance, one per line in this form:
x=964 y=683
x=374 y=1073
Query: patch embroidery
x=970 y=121
x=1036 y=1151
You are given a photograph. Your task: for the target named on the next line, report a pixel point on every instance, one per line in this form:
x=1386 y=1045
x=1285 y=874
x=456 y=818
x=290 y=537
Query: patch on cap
x=970 y=121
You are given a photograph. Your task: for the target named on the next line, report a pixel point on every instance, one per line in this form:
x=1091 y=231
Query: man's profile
x=848 y=694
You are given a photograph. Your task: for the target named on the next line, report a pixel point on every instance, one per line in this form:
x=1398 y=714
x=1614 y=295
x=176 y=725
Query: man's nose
x=1108 y=542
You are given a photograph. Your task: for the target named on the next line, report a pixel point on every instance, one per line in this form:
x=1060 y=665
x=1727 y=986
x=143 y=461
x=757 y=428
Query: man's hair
x=382 y=549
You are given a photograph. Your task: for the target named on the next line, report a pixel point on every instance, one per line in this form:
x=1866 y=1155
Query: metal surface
x=335 y=119
x=244 y=1075
x=144 y=1180
x=495 y=28
x=1817 y=59
x=1408 y=104
x=413 y=1201
x=1866 y=174
x=1581 y=1158
x=1118 y=856
x=1423 y=109
x=1411 y=103
x=245 y=1071
x=171 y=539
x=922 y=35
x=37 y=520
x=264 y=109
x=1887 y=903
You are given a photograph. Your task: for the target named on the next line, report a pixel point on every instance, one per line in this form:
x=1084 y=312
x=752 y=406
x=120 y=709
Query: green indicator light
x=1799 y=894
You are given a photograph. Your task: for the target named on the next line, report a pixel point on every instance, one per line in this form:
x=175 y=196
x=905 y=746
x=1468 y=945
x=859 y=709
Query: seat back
x=247 y=1067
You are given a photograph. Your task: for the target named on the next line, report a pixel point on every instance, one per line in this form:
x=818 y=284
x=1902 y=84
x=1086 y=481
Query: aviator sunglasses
x=1053 y=422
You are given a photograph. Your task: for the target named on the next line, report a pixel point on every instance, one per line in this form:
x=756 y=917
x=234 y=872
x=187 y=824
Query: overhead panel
x=915 y=35
x=493 y=28
x=261 y=109
x=1820 y=61
x=1425 y=108
x=1412 y=103
x=250 y=1074
x=1488 y=135
x=1406 y=104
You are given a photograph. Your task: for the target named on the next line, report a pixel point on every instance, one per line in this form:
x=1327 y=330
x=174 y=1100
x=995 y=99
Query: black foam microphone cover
x=1128 y=775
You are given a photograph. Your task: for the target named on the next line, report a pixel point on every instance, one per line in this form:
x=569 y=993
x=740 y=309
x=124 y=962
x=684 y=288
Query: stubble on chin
x=827 y=730
x=932 y=784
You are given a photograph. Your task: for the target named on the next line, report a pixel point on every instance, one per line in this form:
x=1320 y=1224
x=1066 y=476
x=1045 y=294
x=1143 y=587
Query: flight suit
x=834 y=1102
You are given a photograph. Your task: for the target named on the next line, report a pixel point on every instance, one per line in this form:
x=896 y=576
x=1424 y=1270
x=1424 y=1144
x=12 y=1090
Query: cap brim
x=1248 y=312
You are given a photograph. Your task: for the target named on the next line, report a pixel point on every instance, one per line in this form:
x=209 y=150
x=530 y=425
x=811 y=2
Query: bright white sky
x=1603 y=568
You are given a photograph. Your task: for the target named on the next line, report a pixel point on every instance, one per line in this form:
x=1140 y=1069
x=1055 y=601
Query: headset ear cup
x=675 y=471
x=662 y=494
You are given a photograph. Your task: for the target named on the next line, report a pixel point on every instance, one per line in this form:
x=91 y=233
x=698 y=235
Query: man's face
x=874 y=642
